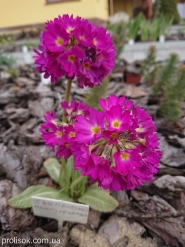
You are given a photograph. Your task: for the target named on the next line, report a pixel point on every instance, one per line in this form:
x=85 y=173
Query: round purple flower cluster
x=117 y=147
x=73 y=47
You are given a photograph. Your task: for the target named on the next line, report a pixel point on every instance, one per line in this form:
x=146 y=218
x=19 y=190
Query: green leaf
x=98 y=199
x=53 y=168
x=24 y=199
x=70 y=163
x=65 y=197
x=68 y=166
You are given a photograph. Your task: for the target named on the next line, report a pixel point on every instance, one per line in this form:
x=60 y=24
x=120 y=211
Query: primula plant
x=115 y=148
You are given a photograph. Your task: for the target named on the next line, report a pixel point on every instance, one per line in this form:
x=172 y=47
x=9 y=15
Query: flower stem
x=63 y=167
x=68 y=89
x=67 y=95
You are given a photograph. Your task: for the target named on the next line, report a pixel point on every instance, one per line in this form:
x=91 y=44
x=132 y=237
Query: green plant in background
x=13 y=72
x=181 y=31
x=157 y=27
x=6 y=61
x=169 y=9
x=165 y=24
x=144 y=27
x=149 y=68
x=170 y=106
x=31 y=44
x=182 y=22
x=6 y=39
x=96 y=93
x=170 y=87
x=154 y=30
x=119 y=33
x=166 y=75
x=133 y=28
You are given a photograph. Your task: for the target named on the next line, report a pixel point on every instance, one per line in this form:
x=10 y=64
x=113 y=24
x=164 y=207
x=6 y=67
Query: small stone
x=24 y=81
x=84 y=237
x=94 y=219
x=121 y=197
x=39 y=108
x=116 y=228
x=4 y=75
x=172 y=156
x=30 y=124
x=181 y=141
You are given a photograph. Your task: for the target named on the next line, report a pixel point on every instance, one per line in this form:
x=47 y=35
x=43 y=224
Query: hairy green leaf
x=98 y=199
x=24 y=199
x=53 y=168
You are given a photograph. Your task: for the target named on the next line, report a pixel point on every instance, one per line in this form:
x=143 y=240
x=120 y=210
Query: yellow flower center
x=139 y=130
x=59 y=41
x=72 y=134
x=94 y=41
x=125 y=156
x=70 y=29
x=58 y=133
x=71 y=58
x=87 y=66
x=82 y=38
x=95 y=130
x=114 y=136
x=116 y=124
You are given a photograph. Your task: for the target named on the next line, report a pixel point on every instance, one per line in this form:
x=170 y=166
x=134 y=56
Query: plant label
x=60 y=210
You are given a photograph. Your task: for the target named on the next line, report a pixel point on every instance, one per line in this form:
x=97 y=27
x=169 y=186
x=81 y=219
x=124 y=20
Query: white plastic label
x=60 y=210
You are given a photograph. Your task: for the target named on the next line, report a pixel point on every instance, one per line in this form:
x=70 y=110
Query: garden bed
x=152 y=215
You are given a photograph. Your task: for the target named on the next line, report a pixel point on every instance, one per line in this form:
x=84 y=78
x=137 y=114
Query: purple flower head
x=73 y=47
x=116 y=147
x=122 y=145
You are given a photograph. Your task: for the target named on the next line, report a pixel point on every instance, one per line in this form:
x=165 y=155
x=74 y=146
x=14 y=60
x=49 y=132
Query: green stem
x=63 y=167
x=67 y=95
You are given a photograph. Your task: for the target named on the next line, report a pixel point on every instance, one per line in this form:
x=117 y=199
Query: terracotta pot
x=132 y=78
